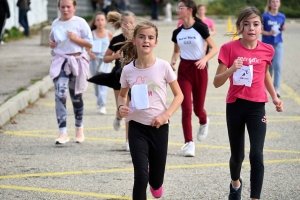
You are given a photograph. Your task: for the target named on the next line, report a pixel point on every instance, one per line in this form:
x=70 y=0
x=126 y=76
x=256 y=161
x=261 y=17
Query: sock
x=235 y=188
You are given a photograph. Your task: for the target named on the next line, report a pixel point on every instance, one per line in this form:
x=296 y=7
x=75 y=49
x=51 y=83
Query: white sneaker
x=189 y=149
x=102 y=110
x=203 y=131
x=117 y=124
x=62 y=138
x=127 y=146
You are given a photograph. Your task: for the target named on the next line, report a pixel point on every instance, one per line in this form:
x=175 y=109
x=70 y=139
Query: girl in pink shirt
x=69 y=37
x=245 y=63
x=148 y=115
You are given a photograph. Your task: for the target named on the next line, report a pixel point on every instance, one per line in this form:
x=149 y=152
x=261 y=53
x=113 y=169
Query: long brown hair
x=244 y=13
x=128 y=45
x=93 y=26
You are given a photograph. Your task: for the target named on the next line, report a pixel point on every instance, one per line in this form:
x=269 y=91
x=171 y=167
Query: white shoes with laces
x=189 y=149
x=203 y=131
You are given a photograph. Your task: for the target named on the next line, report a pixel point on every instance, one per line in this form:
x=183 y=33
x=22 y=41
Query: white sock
x=235 y=188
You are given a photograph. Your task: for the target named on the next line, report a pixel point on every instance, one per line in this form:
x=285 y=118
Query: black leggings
x=148 y=145
x=253 y=115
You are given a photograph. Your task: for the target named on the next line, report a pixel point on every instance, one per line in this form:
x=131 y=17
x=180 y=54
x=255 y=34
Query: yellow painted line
x=68 y=192
x=273 y=135
x=291 y=93
x=84 y=172
x=21 y=133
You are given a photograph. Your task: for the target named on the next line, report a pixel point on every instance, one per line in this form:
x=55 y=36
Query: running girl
x=147 y=114
x=245 y=62
x=69 y=37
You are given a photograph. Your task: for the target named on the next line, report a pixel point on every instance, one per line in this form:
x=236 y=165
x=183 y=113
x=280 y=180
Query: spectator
x=106 y=6
x=4 y=14
x=95 y=4
x=168 y=10
x=154 y=9
x=23 y=20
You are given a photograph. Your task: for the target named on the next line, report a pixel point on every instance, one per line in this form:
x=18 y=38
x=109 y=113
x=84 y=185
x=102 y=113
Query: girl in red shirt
x=245 y=62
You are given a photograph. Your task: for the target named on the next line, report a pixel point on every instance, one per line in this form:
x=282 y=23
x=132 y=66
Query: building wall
x=36 y=15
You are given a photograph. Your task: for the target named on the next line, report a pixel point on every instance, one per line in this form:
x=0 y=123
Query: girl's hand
x=201 y=64
x=279 y=104
x=52 y=44
x=119 y=54
x=123 y=111
x=173 y=62
x=92 y=55
x=271 y=32
x=71 y=35
x=237 y=64
x=159 y=120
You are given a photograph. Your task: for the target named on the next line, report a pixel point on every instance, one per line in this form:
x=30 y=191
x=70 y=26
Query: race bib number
x=243 y=76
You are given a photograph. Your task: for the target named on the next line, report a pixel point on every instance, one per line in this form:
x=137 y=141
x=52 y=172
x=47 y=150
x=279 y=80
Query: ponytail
x=114 y=18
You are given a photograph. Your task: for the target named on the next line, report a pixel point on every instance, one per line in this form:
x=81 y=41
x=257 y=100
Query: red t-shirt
x=259 y=57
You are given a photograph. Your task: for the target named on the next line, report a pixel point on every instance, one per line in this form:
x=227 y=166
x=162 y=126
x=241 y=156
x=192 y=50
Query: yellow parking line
x=84 y=172
x=68 y=192
x=291 y=93
x=28 y=134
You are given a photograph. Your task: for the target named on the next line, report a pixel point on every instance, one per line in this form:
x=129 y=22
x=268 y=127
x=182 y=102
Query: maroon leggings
x=193 y=83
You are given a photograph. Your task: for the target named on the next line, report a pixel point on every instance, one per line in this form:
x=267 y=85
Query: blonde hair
x=129 y=48
x=116 y=18
x=244 y=13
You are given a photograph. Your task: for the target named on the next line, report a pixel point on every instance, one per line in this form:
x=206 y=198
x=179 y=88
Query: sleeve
x=224 y=55
x=174 y=35
x=271 y=55
x=202 y=29
x=86 y=32
x=51 y=36
x=265 y=19
x=123 y=79
x=170 y=74
x=112 y=42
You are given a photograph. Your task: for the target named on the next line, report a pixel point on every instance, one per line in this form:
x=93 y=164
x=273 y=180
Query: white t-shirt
x=59 y=30
x=191 y=41
x=156 y=78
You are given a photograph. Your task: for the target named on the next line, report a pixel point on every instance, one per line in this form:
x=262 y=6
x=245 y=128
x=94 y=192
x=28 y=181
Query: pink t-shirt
x=209 y=23
x=156 y=77
x=259 y=57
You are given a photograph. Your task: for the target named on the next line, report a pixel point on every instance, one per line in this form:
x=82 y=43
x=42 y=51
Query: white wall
x=36 y=15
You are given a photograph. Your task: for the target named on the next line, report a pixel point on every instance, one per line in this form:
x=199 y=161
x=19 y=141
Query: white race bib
x=276 y=30
x=97 y=44
x=139 y=96
x=243 y=76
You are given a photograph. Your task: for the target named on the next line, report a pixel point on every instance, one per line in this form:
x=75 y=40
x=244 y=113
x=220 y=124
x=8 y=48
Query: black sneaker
x=235 y=194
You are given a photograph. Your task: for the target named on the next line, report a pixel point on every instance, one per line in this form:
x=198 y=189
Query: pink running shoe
x=156 y=193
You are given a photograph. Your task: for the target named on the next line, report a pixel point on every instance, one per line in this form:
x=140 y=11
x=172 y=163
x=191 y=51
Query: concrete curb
x=19 y=102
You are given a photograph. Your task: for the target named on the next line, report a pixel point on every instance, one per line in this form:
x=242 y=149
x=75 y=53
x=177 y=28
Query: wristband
x=119 y=107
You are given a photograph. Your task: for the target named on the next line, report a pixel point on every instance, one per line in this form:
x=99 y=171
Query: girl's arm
x=223 y=73
x=122 y=100
x=175 y=55
x=212 y=31
x=110 y=35
x=201 y=64
x=178 y=98
x=111 y=56
x=283 y=27
x=78 y=40
x=268 y=33
x=269 y=85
